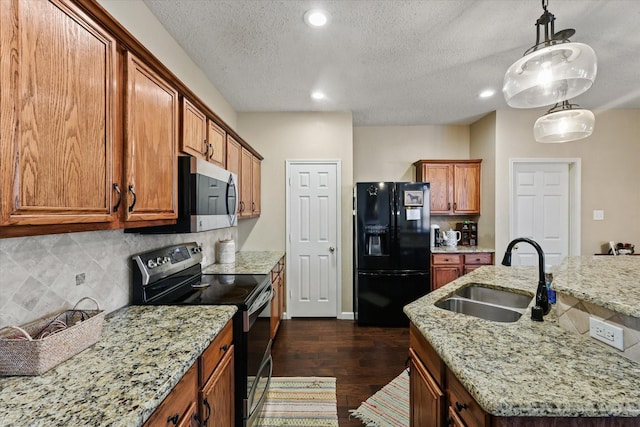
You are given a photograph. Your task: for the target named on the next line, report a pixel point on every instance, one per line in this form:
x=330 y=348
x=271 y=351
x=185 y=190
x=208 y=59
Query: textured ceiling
x=394 y=62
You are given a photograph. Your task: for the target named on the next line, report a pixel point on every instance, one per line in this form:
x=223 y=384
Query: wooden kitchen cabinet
x=202 y=137
x=59 y=148
x=277 y=303
x=151 y=137
x=178 y=408
x=216 y=396
x=454 y=185
x=427 y=400
x=247 y=166
x=447 y=267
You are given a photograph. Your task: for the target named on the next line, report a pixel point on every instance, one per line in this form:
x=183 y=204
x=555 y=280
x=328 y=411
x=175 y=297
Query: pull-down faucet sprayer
x=542 y=306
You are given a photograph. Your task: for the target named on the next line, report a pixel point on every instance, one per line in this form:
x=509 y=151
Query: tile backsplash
x=43 y=274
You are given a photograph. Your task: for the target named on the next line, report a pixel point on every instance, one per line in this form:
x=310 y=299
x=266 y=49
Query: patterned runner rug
x=300 y=401
x=389 y=407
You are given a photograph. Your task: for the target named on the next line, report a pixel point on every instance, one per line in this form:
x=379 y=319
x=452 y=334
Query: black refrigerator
x=391 y=250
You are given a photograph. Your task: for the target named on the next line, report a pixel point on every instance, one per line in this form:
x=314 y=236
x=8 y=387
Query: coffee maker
x=435 y=235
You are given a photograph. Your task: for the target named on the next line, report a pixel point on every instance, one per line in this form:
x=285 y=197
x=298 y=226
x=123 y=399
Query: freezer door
x=382 y=295
x=374 y=225
x=413 y=227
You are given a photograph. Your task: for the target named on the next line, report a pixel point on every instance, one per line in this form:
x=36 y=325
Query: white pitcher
x=451 y=237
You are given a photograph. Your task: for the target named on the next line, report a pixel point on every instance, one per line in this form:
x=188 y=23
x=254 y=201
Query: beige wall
x=610 y=159
x=136 y=17
x=386 y=153
x=297 y=136
x=482 y=146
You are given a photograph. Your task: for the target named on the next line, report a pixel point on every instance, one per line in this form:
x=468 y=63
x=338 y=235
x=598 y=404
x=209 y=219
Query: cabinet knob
x=224 y=347
x=173 y=419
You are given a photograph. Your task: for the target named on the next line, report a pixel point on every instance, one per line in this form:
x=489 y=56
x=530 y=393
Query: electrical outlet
x=607 y=333
x=598 y=215
x=80 y=278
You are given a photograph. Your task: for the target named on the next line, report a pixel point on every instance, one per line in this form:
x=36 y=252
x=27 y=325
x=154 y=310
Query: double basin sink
x=479 y=300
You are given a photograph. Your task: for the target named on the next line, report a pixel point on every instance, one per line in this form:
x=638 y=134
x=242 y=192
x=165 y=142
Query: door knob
x=332 y=249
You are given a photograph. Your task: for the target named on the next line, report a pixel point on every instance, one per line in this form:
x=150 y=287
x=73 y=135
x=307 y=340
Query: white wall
x=482 y=146
x=297 y=136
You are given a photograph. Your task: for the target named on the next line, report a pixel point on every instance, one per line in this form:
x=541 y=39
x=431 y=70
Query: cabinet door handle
x=455 y=206
x=224 y=348
x=460 y=406
x=208 y=407
x=135 y=198
x=173 y=419
x=253 y=206
x=448 y=206
x=212 y=149
x=117 y=190
x=206 y=148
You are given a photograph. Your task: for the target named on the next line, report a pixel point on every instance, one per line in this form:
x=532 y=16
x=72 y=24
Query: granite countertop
x=530 y=368
x=249 y=262
x=612 y=282
x=121 y=380
x=460 y=249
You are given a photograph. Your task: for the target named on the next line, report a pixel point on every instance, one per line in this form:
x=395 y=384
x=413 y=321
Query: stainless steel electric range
x=173 y=276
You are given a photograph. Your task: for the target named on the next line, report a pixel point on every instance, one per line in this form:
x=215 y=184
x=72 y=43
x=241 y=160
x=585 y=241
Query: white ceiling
x=394 y=62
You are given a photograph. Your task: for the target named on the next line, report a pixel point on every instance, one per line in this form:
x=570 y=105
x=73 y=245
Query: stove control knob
x=151 y=264
x=165 y=260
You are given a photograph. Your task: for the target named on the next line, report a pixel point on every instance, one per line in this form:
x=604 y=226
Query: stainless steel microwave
x=207 y=198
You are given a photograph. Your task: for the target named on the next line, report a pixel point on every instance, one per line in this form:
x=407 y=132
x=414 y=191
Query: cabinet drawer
x=480 y=258
x=427 y=355
x=446 y=259
x=216 y=350
x=463 y=404
x=178 y=405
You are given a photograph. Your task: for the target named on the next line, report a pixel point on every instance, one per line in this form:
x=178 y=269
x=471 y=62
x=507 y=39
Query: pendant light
x=564 y=123
x=552 y=70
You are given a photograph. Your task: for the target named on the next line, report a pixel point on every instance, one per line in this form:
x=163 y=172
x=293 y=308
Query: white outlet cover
x=607 y=333
x=598 y=215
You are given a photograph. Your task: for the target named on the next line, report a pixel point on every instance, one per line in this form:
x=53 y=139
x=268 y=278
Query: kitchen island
x=532 y=370
x=124 y=377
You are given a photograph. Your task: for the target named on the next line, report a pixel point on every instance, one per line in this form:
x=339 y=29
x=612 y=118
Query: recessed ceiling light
x=317 y=95
x=487 y=93
x=316 y=18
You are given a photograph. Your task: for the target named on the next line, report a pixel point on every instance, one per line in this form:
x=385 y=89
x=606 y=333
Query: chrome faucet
x=542 y=306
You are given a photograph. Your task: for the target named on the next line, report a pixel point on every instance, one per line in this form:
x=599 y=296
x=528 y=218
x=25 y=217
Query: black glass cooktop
x=237 y=289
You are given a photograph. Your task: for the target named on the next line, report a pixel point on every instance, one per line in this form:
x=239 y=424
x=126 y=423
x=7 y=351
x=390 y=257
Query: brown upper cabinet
x=455 y=185
x=58 y=158
x=247 y=166
x=202 y=137
x=151 y=138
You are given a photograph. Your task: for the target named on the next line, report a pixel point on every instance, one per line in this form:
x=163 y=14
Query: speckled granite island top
x=247 y=263
x=143 y=353
x=460 y=249
x=612 y=282
x=528 y=368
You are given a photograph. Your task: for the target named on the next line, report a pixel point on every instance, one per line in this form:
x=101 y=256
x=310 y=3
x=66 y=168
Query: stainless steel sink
x=480 y=310
x=502 y=297
x=478 y=300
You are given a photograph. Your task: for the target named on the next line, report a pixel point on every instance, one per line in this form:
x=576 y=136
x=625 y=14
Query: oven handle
x=262 y=300
x=255 y=412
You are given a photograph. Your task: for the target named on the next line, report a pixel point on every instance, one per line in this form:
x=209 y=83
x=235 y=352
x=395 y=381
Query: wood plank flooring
x=362 y=358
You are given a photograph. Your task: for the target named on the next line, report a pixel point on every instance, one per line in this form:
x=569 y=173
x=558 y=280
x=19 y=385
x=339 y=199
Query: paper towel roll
x=226 y=251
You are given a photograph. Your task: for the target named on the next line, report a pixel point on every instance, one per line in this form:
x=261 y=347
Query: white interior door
x=313 y=219
x=540 y=206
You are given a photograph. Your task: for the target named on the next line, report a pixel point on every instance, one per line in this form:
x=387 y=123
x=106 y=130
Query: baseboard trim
x=346 y=315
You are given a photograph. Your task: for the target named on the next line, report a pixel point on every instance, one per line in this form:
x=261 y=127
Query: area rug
x=300 y=401
x=389 y=407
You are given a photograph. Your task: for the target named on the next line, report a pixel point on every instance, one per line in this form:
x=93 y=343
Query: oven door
x=259 y=363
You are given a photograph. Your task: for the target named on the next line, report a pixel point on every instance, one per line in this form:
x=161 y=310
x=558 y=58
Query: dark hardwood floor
x=362 y=358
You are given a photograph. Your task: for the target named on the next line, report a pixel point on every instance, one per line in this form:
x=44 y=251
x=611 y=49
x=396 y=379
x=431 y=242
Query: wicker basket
x=34 y=348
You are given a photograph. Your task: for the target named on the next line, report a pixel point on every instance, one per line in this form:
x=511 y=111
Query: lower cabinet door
x=217 y=395
x=426 y=399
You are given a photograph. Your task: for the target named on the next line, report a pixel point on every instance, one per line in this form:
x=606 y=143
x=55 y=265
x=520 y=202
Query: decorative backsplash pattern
x=42 y=274
x=573 y=315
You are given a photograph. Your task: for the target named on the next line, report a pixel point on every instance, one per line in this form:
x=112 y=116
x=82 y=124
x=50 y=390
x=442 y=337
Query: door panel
x=541 y=211
x=313 y=238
